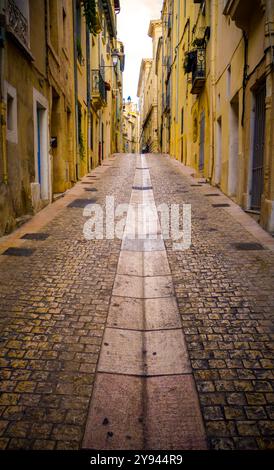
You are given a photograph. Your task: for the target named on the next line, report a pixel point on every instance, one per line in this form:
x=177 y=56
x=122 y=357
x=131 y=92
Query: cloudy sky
x=133 y=23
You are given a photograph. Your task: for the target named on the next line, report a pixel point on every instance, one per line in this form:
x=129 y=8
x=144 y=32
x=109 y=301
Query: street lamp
x=115 y=57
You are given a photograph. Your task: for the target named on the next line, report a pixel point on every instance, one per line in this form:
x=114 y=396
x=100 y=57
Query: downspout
x=3 y=107
x=163 y=86
x=75 y=89
x=177 y=129
x=88 y=90
x=245 y=74
x=214 y=13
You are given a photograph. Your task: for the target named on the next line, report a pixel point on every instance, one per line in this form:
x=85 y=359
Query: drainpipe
x=3 y=107
x=214 y=15
x=245 y=75
x=88 y=88
x=76 y=89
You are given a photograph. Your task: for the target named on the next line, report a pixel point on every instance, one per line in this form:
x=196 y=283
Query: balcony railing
x=98 y=89
x=17 y=24
x=198 y=71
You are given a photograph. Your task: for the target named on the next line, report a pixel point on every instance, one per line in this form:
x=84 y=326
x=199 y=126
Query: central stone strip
x=144 y=395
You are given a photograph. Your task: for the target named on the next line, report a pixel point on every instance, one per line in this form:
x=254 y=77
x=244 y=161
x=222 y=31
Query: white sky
x=133 y=23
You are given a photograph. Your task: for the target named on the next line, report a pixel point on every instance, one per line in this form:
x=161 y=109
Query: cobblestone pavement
x=54 y=305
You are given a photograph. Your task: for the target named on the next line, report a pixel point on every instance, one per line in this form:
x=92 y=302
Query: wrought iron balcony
x=198 y=70
x=98 y=89
x=17 y=24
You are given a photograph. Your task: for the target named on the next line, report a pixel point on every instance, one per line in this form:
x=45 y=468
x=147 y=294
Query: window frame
x=11 y=134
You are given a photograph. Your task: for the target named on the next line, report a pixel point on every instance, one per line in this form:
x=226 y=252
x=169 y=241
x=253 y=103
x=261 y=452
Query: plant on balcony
x=188 y=61
x=91 y=15
x=199 y=42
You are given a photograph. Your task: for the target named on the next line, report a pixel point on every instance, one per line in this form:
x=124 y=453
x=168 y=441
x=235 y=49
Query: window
x=79 y=32
x=91 y=131
x=228 y=83
x=53 y=24
x=11 y=117
x=10 y=113
x=195 y=128
x=79 y=117
x=78 y=21
x=64 y=28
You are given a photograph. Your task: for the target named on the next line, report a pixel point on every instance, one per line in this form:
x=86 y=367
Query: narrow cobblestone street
x=112 y=344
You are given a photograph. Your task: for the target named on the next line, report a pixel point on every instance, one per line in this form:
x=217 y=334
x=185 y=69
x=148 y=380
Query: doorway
x=41 y=145
x=103 y=143
x=233 y=169
x=257 y=177
x=218 y=164
x=55 y=125
x=202 y=142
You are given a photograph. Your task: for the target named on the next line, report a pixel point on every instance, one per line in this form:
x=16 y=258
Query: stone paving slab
x=172 y=404
x=143 y=245
x=143 y=353
x=143 y=314
x=120 y=423
x=143 y=287
x=143 y=263
x=115 y=424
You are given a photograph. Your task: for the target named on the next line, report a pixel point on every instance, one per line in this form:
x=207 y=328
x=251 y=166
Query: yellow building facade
x=25 y=159
x=148 y=96
x=61 y=99
x=106 y=86
x=60 y=77
x=214 y=67
x=130 y=127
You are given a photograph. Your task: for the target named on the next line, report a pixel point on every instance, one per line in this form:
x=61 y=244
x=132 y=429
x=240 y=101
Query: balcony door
x=258 y=149
x=233 y=166
x=202 y=142
x=103 y=142
x=41 y=145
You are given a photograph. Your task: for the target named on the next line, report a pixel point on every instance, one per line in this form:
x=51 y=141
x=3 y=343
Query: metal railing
x=17 y=23
x=98 y=86
x=199 y=70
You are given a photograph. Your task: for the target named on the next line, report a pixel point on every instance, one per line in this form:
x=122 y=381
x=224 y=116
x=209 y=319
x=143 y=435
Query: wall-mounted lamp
x=115 y=57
